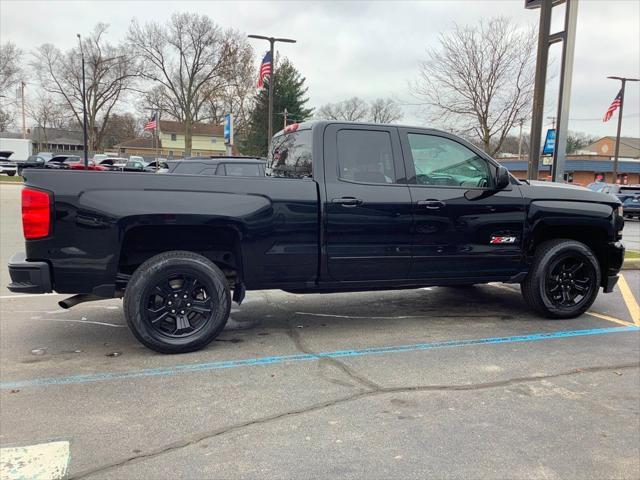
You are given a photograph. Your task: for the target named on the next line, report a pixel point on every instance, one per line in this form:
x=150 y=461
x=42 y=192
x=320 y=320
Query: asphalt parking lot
x=434 y=382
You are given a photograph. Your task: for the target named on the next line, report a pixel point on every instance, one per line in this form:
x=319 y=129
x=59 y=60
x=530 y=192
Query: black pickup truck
x=344 y=207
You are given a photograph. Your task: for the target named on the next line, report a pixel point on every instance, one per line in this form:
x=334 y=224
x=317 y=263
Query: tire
x=177 y=302
x=11 y=174
x=551 y=276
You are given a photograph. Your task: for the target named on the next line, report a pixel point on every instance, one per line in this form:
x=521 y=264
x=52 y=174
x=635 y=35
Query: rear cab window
x=291 y=155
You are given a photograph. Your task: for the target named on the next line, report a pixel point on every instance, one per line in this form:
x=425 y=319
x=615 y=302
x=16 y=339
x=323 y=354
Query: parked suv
x=226 y=166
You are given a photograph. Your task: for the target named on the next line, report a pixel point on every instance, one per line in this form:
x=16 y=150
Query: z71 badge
x=502 y=240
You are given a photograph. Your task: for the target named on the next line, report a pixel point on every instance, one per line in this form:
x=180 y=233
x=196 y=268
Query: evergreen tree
x=289 y=91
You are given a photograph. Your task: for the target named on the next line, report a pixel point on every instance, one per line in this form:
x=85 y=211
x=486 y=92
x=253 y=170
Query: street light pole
x=84 y=107
x=623 y=80
x=272 y=77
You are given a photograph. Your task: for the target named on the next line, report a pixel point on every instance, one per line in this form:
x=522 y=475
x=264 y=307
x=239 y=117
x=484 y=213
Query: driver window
x=439 y=161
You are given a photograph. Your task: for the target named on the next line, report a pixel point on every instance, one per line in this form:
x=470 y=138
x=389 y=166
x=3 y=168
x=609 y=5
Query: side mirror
x=502 y=178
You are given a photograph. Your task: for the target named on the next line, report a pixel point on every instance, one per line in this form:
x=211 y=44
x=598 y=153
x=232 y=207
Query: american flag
x=151 y=124
x=265 y=69
x=613 y=107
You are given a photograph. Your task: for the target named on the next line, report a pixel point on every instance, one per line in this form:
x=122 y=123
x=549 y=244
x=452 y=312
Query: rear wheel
x=11 y=174
x=564 y=279
x=177 y=302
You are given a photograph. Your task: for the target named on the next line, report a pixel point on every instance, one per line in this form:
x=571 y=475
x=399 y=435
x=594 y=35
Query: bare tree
x=187 y=58
x=384 y=110
x=480 y=80
x=10 y=73
x=110 y=72
x=237 y=95
x=351 y=110
x=47 y=113
x=355 y=109
x=7 y=119
x=10 y=66
x=121 y=127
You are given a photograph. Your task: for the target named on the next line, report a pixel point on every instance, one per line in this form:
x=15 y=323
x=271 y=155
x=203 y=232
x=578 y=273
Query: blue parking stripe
x=303 y=357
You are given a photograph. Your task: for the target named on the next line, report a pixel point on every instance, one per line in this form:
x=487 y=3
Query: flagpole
x=272 y=77
x=157 y=139
x=624 y=80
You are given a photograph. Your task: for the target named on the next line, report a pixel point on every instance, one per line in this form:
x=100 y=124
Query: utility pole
x=623 y=80
x=24 y=123
x=84 y=107
x=553 y=122
x=520 y=141
x=272 y=77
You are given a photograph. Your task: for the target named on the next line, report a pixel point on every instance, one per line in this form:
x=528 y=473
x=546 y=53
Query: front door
x=462 y=227
x=368 y=205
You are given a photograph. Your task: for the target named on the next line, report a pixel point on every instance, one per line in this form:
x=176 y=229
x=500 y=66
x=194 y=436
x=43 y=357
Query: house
x=57 y=140
x=206 y=140
x=581 y=169
x=606 y=146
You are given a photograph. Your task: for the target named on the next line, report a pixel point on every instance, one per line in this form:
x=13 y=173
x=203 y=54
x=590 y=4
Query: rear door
x=368 y=206
x=457 y=234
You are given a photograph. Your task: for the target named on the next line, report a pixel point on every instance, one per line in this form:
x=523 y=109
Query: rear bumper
x=615 y=257
x=27 y=276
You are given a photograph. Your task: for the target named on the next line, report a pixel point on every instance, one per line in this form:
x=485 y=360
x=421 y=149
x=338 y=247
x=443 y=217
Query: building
x=206 y=140
x=581 y=169
x=57 y=140
x=606 y=146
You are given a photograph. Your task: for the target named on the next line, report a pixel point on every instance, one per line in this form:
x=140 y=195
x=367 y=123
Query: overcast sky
x=369 y=49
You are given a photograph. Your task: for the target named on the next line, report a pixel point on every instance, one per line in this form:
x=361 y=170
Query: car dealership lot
x=435 y=382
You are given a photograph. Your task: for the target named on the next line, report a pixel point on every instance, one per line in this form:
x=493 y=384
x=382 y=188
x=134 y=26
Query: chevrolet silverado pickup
x=343 y=207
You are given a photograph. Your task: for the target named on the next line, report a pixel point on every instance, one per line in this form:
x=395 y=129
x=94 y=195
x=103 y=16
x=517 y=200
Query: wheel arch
x=218 y=242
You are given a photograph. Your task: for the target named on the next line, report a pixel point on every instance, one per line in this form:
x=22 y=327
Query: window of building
x=174 y=137
x=440 y=161
x=214 y=140
x=365 y=156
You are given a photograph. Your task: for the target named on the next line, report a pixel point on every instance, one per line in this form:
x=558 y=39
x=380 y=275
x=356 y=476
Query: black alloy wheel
x=177 y=302
x=179 y=305
x=570 y=280
x=563 y=279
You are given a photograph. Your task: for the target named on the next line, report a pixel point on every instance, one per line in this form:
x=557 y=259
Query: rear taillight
x=36 y=213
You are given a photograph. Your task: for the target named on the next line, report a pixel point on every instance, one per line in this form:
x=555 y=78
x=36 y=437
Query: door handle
x=431 y=204
x=347 y=201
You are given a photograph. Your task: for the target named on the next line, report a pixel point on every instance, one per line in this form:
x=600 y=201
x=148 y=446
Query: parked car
x=6 y=165
x=137 y=158
x=46 y=155
x=63 y=162
x=92 y=165
x=345 y=207
x=34 y=161
x=134 y=166
x=227 y=166
x=621 y=192
x=157 y=166
x=113 y=163
x=631 y=207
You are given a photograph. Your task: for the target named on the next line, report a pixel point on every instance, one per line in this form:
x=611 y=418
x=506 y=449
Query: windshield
x=291 y=155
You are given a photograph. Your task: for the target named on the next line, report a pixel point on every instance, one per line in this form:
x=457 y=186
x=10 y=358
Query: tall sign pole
x=84 y=108
x=624 y=81
x=564 y=94
x=272 y=77
x=542 y=59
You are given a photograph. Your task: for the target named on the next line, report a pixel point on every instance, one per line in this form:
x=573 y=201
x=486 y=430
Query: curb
x=631 y=264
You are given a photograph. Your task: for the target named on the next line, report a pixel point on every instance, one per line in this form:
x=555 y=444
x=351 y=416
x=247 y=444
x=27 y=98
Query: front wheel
x=11 y=174
x=177 y=302
x=564 y=279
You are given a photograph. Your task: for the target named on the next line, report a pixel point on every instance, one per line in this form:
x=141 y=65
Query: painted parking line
x=608 y=318
x=44 y=461
x=629 y=300
x=303 y=357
